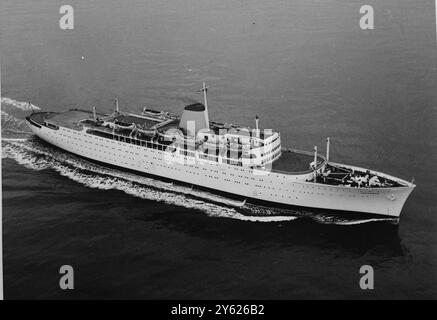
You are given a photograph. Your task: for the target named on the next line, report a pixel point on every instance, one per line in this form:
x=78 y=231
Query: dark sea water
x=303 y=66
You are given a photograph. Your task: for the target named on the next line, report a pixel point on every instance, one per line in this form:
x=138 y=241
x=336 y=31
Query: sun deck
x=69 y=119
x=294 y=161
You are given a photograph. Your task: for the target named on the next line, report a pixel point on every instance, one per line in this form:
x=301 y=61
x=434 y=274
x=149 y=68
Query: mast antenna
x=204 y=89
x=315 y=163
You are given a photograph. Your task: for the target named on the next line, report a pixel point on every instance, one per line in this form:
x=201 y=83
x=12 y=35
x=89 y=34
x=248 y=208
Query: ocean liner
x=247 y=163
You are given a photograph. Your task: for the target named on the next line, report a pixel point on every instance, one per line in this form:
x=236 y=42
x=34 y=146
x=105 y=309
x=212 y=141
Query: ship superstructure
x=248 y=163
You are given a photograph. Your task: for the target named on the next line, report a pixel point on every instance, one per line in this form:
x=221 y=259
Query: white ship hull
x=274 y=187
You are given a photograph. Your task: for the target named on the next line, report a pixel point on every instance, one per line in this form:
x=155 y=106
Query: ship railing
x=250 y=147
x=291 y=172
x=109 y=134
x=224 y=144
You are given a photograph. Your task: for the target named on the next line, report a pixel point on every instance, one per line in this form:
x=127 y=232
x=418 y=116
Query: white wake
x=33 y=155
x=25 y=106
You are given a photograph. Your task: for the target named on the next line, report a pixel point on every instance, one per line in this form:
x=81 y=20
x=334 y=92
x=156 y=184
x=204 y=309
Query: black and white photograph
x=218 y=150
